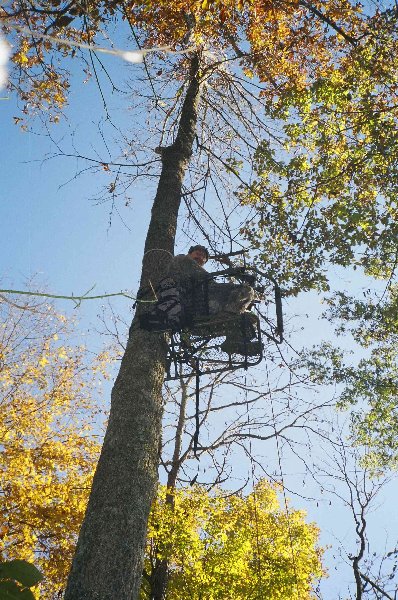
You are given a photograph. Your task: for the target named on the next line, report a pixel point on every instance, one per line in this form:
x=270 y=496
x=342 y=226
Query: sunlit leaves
x=49 y=398
x=286 y=46
x=368 y=387
x=227 y=545
x=326 y=191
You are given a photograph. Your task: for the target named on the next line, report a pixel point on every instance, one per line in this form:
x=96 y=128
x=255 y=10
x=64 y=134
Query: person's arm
x=184 y=267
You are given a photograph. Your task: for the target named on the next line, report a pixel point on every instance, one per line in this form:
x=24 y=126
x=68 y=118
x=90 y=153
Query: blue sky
x=52 y=229
x=53 y=232
x=57 y=234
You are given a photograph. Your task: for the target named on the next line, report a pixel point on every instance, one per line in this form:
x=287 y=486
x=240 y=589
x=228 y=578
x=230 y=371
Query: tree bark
x=108 y=562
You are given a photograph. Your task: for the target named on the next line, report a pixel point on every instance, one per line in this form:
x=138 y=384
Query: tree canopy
x=323 y=76
x=290 y=112
x=221 y=545
x=328 y=194
x=49 y=402
x=287 y=46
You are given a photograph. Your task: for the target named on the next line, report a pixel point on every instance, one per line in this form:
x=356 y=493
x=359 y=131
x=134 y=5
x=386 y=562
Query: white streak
x=133 y=57
x=4 y=56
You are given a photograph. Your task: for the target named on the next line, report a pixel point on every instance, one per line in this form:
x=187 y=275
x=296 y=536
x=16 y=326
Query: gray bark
x=108 y=561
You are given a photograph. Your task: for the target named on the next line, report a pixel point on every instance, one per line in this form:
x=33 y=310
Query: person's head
x=199 y=254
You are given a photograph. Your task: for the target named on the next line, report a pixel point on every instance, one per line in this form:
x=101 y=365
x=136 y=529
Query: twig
x=76 y=299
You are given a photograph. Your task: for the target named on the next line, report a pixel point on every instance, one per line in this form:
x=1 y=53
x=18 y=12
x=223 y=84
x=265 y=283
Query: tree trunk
x=108 y=561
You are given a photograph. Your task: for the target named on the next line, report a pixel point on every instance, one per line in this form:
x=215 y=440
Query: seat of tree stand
x=213 y=344
x=217 y=343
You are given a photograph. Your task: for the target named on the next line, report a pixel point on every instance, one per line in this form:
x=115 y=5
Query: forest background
x=71 y=244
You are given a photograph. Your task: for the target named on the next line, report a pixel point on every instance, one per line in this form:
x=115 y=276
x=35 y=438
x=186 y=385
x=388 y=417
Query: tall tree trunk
x=108 y=561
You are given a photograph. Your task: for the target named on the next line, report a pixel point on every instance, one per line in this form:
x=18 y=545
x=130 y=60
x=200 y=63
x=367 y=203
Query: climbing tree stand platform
x=203 y=345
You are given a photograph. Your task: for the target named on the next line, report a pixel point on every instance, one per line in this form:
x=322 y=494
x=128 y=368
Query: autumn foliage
x=49 y=399
x=214 y=542
x=222 y=546
x=285 y=45
x=322 y=184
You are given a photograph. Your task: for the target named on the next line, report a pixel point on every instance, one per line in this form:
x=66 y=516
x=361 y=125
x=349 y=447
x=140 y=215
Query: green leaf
x=22 y=571
x=9 y=590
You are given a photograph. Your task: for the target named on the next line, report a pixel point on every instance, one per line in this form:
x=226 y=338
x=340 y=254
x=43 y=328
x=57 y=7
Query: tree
x=342 y=476
x=329 y=197
x=290 y=47
x=47 y=390
x=235 y=415
x=220 y=545
x=49 y=406
x=367 y=387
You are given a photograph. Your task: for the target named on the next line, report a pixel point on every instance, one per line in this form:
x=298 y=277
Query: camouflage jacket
x=183 y=268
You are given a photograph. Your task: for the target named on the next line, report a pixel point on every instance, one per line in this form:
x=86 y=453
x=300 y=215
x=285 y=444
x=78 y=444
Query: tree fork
x=108 y=561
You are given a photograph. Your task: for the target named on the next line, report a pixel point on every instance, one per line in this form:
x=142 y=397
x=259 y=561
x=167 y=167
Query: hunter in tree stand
x=189 y=294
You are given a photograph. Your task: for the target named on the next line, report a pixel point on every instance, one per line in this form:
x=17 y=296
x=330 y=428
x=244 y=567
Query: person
x=188 y=297
x=230 y=298
x=214 y=301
